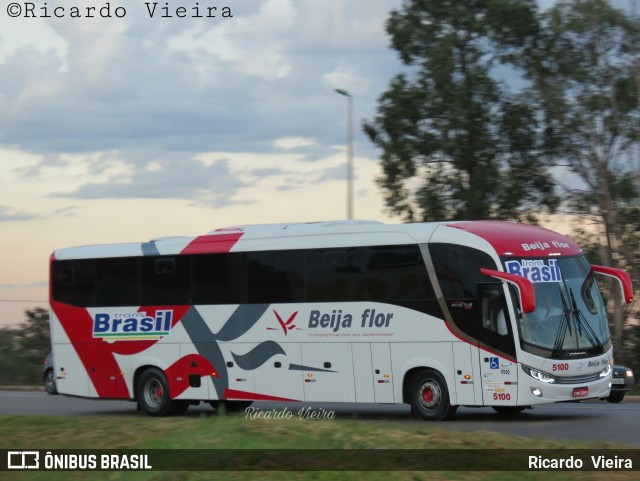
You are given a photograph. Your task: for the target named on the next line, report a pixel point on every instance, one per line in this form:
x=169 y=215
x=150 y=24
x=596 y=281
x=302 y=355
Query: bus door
x=478 y=310
x=498 y=368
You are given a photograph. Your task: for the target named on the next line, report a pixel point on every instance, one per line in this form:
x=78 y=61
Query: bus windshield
x=570 y=317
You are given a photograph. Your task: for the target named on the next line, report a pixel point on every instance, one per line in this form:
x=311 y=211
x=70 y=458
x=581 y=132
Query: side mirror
x=623 y=278
x=524 y=285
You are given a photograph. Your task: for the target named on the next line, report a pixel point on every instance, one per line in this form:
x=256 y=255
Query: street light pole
x=349 y=151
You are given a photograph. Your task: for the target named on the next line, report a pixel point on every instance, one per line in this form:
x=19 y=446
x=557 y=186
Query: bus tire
x=152 y=393
x=430 y=396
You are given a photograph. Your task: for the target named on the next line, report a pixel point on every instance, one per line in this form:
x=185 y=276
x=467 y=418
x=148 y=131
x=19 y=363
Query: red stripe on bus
x=97 y=355
x=214 y=243
x=252 y=396
x=518 y=239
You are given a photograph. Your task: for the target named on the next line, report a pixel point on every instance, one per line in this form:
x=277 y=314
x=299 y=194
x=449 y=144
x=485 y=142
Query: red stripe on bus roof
x=518 y=239
x=213 y=243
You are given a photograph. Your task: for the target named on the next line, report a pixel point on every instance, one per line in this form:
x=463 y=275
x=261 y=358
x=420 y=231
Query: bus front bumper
x=534 y=392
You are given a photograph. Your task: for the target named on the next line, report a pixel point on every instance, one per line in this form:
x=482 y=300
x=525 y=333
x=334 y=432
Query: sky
x=138 y=126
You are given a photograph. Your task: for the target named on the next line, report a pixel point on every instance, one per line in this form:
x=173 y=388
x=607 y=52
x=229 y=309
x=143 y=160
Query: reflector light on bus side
x=524 y=285
x=623 y=278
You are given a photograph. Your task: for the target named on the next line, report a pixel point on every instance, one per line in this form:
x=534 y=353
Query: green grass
x=238 y=432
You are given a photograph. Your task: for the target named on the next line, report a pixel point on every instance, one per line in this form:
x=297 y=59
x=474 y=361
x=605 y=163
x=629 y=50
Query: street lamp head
x=343 y=92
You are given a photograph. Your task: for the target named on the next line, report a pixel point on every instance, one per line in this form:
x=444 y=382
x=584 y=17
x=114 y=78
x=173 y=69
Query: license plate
x=580 y=392
x=617 y=380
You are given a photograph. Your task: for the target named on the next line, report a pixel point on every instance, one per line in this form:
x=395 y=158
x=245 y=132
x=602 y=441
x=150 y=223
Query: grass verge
x=238 y=432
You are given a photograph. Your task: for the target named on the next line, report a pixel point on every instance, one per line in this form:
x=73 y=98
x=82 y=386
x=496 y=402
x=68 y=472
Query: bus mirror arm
x=524 y=285
x=623 y=278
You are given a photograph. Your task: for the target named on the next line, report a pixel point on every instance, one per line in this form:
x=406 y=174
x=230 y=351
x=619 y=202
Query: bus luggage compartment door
x=328 y=372
x=382 y=378
x=72 y=377
x=467 y=380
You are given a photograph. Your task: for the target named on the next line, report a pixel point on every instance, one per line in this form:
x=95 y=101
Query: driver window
x=495 y=330
x=494 y=313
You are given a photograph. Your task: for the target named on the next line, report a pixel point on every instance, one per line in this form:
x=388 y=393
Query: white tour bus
x=436 y=315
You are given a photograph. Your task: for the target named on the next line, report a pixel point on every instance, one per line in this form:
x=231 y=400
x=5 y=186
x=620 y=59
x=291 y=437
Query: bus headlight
x=539 y=375
x=605 y=372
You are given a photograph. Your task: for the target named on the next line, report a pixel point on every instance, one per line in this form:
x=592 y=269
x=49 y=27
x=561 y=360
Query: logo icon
x=467 y=306
x=494 y=363
x=536 y=270
x=132 y=325
x=285 y=326
x=23 y=460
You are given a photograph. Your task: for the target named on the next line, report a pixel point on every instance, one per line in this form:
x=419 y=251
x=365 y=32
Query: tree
x=9 y=357
x=456 y=143
x=584 y=73
x=23 y=349
x=33 y=336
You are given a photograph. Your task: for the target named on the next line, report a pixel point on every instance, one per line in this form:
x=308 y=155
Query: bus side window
x=219 y=278
x=494 y=312
x=397 y=273
x=166 y=281
x=496 y=328
x=476 y=313
x=335 y=275
x=275 y=276
x=73 y=282
x=458 y=270
x=117 y=282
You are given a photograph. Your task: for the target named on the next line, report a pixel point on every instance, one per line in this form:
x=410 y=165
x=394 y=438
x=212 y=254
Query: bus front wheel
x=430 y=396
x=152 y=393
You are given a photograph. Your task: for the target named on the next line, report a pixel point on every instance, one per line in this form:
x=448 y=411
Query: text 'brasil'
x=136 y=325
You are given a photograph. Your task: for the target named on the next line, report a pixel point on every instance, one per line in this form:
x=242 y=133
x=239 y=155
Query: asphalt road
x=594 y=422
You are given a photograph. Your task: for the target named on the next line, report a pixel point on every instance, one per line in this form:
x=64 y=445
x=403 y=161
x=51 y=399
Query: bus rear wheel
x=430 y=396
x=152 y=393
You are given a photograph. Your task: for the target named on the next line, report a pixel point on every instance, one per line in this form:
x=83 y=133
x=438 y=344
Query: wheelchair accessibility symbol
x=494 y=363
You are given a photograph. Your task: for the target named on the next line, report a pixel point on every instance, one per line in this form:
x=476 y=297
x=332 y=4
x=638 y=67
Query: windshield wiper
x=581 y=322
x=576 y=314
x=565 y=325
